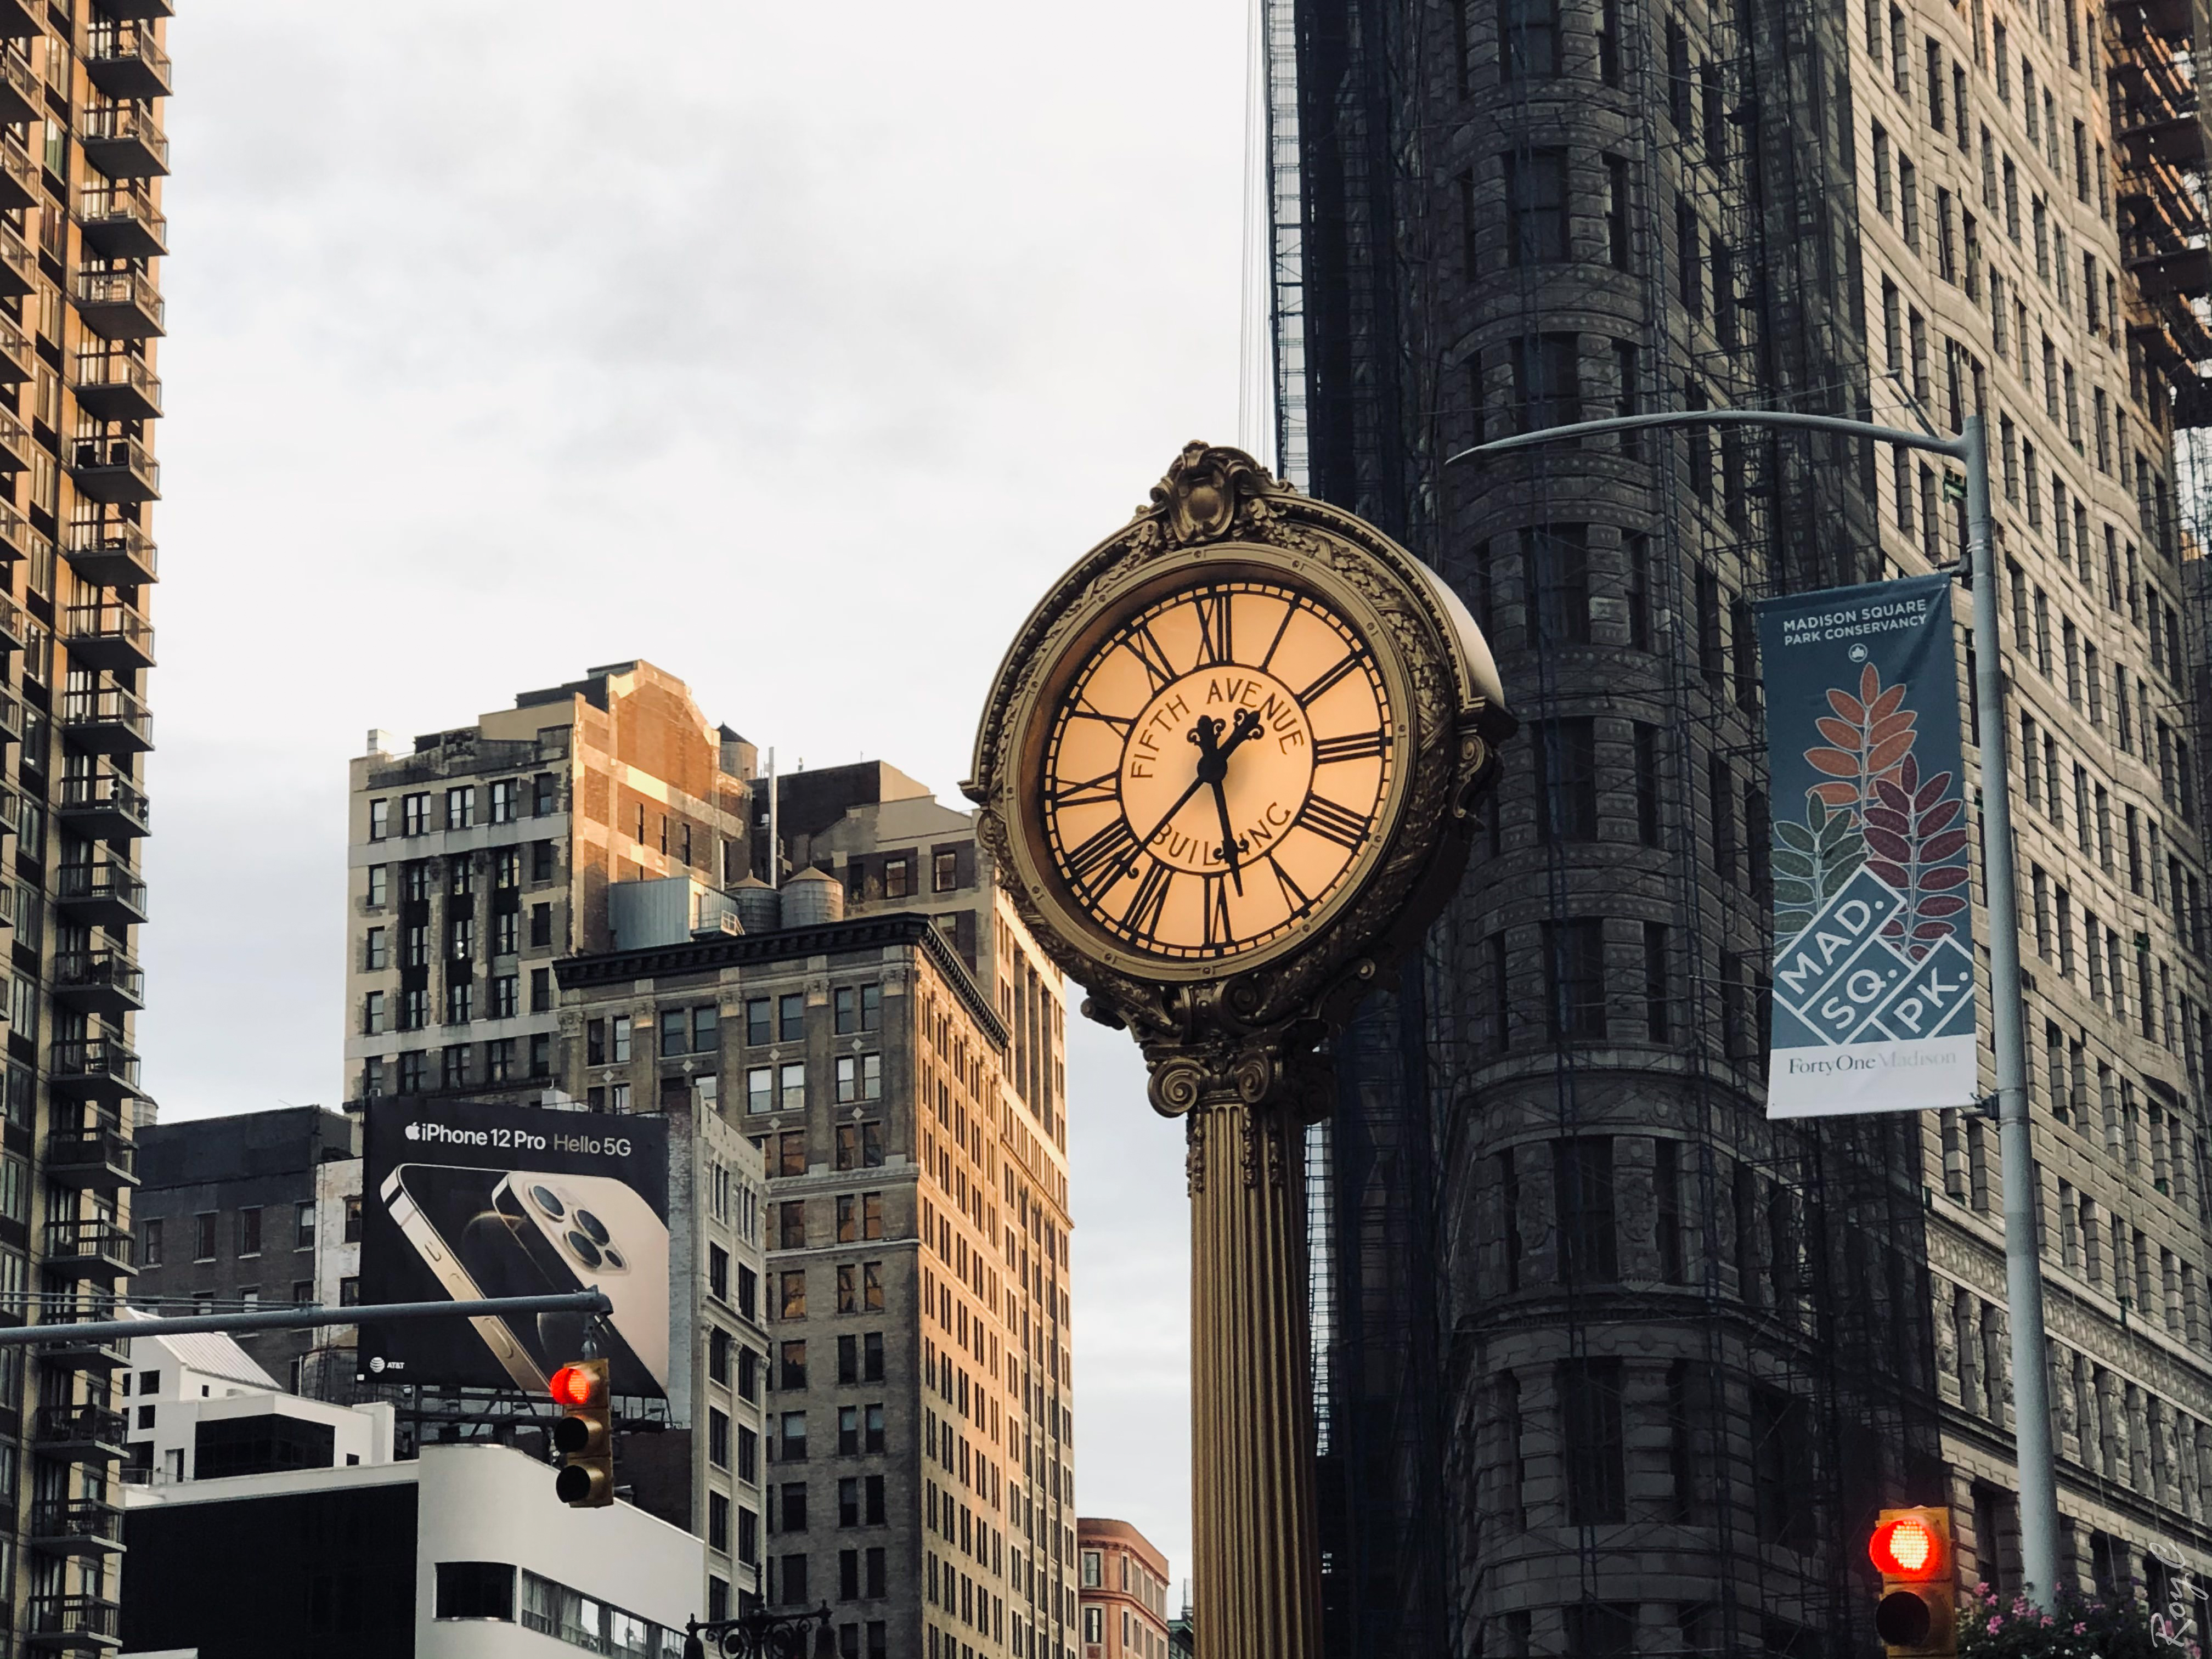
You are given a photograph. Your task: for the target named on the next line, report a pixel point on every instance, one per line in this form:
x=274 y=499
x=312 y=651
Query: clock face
x=1217 y=770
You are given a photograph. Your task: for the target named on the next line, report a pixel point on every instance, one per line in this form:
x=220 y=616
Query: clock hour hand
x=1248 y=725
x=1230 y=847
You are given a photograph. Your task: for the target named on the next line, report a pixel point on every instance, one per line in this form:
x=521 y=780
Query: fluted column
x=1258 y=1552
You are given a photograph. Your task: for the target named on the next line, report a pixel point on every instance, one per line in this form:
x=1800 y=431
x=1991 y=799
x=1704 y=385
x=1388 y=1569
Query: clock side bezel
x=1093 y=620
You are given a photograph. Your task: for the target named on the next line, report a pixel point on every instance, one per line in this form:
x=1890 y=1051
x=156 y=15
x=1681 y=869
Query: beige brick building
x=477 y=860
x=1124 y=1591
x=920 y=1457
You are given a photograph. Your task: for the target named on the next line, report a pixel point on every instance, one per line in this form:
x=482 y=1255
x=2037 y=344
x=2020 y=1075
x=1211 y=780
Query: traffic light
x=1918 y=1617
x=584 y=1438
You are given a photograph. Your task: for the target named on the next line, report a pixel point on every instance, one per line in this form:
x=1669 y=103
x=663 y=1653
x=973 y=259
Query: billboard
x=1874 y=951
x=463 y=1201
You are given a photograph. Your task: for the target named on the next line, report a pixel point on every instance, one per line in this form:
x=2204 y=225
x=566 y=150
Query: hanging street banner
x=1874 y=949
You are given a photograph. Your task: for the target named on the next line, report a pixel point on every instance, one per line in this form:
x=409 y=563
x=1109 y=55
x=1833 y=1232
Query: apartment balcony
x=122 y=224
x=21 y=20
x=22 y=98
x=17 y=539
x=19 y=266
x=125 y=61
x=76 y=1526
x=116 y=305
x=117 y=470
x=113 y=385
x=77 y=1353
x=110 y=893
x=138 y=11
x=82 y=1622
x=98 y=1160
x=103 y=981
x=124 y=140
x=11 y=719
x=100 y=1069
x=107 y=720
x=18 y=361
x=90 y=1249
x=104 y=805
x=108 y=634
x=88 y=1434
x=15 y=626
x=16 y=450
x=112 y=552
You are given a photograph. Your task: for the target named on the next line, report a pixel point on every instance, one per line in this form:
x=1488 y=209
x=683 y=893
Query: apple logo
x=414 y=1132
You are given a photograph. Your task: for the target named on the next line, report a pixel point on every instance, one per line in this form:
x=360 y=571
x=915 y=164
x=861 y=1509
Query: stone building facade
x=484 y=855
x=1611 y=1363
x=918 y=1457
x=1124 y=1582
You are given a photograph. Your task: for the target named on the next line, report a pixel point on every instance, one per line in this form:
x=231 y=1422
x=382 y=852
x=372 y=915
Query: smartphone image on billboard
x=445 y=1212
x=596 y=1232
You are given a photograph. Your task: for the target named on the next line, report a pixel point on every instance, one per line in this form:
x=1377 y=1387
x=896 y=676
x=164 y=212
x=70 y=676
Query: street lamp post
x=2039 y=1492
x=761 y=1634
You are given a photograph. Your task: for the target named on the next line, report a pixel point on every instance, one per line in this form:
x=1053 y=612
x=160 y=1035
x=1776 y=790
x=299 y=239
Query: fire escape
x=2158 y=134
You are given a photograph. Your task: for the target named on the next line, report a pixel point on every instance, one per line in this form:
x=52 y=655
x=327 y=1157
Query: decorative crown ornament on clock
x=1228 y=770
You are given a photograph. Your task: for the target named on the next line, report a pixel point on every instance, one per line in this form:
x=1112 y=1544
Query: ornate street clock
x=1228 y=770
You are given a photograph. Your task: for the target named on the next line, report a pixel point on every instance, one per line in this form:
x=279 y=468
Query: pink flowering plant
x=1992 y=1627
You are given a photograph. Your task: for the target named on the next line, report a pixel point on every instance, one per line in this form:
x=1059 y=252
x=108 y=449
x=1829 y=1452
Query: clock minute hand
x=1181 y=801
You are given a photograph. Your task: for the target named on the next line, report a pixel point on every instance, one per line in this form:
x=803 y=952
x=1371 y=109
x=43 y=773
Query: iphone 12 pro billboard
x=465 y=1202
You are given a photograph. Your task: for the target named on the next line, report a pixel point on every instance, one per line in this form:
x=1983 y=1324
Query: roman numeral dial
x=1217 y=770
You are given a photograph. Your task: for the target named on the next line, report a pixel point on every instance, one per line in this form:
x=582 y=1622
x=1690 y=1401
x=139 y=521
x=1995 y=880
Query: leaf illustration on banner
x=1914 y=833
x=1867 y=739
x=1811 y=861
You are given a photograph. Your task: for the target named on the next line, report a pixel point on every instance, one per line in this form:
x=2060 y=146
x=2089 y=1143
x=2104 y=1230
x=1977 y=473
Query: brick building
x=1124 y=1591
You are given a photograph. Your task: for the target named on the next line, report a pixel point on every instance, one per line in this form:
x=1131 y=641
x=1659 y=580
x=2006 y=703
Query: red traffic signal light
x=1908 y=1547
x=1918 y=1617
x=572 y=1385
x=584 y=1438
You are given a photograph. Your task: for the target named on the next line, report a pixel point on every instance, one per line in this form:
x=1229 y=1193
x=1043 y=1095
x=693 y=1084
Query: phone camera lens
x=586 y=1251
x=592 y=1224
x=544 y=1199
x=615 y=1261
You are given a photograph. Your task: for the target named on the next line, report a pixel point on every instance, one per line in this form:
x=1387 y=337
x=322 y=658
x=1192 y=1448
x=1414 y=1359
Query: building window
x=475 y=1589
x=791 y=1224
x=503 y=988
x=1574 y=969
x=204 y=1236
x=898 y=876
x=793 y=1447
x=380 y=884
x=1536 y=199
x=860 y=1077
x=945 y=872
x=718 y=1437
x=718 y=1272
x=380 y=820
x=415 y=814
x=249 y=1230
x=857 y=1008
x=541 y=925
x=373 y=1014
x=791 y=1295
x=461 y=808
x=149 y=1243
x=791 y=1017
x=861 y=1145
x=791 y=1088
x=541 y=990
x=503 y=800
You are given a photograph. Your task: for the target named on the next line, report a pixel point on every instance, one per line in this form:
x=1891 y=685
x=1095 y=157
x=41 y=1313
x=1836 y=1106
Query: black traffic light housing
x=585 y=1436
x=1918 y=1617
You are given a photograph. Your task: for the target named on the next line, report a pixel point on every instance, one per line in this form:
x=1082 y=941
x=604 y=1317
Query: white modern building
x=462 y=1554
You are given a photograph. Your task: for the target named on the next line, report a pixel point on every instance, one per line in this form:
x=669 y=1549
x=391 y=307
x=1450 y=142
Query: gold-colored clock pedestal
x=1258 y=1566
x=1228 y=771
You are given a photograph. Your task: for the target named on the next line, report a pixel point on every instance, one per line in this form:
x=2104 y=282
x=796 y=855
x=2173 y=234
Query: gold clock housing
x=1229 y=761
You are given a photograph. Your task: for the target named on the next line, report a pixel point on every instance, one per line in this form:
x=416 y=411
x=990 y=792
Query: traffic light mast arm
x=299 y=1319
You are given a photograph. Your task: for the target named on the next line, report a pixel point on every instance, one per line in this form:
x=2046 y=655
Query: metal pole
x=299 y=1319
x=2031 y=1375
x=2033 y=1453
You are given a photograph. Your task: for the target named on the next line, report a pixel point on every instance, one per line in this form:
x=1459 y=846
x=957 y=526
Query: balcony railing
x=122 y=224
x=67 y=1349
x=74 y=1621
x=115 y=469
x=108 y=980
x=17 y=361
x=15 y=444
x=124 y=140
x=125 y=61
x=108 y=635
x=116 y=305
x=17 y=539
x=76 y=1526
x=19 y=266
x=101 y=1245
x=105 y=803
x=112 y=552
x=92 y=1428
x=103 y=1159
x=111 y=891
x=107 y=720
x=19 y=176
x=15 y=626
x=21 y=96
x=114 y=385
x=101 y=1067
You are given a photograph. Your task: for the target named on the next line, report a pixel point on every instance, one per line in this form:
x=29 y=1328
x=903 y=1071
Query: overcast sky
x=795 y=349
